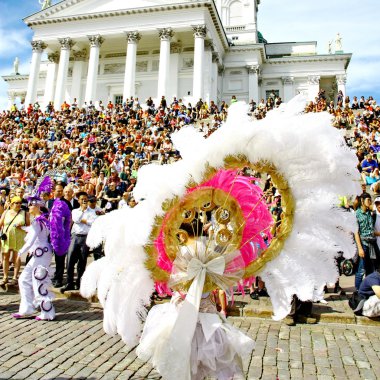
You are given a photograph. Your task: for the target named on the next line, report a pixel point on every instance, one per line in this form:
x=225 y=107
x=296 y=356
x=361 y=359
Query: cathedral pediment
x=76 y=8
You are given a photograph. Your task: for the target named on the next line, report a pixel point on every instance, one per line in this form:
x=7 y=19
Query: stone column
x=199 y=52
x=313 y=86
x=253 y=83
x=51 y=77
x=214 y=76
x=175 y=50
x=130 y=65
x=80 y=58
x=92 y=76
x=66 y=45
x=166 y=35
x=221 y=70
x=31 y=93
x=341 y=82
x=207 y=71
x=288 y=88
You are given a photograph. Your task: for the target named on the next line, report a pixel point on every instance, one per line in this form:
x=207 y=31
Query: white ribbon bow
x=195 y=267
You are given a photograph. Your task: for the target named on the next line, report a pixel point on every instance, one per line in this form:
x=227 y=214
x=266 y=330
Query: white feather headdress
x=308 y=153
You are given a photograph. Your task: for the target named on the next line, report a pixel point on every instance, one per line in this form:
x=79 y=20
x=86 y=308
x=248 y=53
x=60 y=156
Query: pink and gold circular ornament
x=227 y=211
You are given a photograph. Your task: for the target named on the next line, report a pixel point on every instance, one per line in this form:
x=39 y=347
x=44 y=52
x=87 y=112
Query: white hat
x=377 y=200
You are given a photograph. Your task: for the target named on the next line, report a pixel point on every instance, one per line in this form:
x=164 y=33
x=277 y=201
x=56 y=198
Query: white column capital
x=289 y=80
x=254 y=69
x=53 y=57
x=200 y=31
x=38 y=46
x=96 y=41
x=165 y=34
x=341 y=79
x=66 y=43
x=313 y=79
x=133 y=37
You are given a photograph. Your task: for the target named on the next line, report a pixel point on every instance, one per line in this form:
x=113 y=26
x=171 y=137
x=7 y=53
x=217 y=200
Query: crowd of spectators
x=94 y=151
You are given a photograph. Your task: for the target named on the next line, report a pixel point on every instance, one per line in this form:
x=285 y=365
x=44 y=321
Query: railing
x=238 y=28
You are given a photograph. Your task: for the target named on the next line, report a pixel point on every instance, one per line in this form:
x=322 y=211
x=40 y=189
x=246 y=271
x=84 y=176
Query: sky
x=358 y=22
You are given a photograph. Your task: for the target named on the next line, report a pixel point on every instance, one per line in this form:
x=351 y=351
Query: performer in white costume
x=35 y=279
x=207 y=345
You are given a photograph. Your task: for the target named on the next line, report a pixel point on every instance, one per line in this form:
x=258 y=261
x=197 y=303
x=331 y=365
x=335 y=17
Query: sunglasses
x=16 y=203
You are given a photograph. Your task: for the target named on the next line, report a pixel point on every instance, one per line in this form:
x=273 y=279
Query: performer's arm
x=30 y=239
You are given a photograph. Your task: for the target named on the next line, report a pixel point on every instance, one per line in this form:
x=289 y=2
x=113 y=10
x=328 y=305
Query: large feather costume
x=312 y=166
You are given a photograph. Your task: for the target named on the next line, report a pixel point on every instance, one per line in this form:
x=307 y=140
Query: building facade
x=211 y=49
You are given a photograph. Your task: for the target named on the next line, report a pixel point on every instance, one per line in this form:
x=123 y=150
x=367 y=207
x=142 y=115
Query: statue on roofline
x=44 y=4
x=330 y=47
x=16 y=63
x=338 y=43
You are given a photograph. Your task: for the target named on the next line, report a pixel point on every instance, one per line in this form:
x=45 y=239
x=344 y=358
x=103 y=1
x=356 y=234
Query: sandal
x=4 y=282
x=14 y=282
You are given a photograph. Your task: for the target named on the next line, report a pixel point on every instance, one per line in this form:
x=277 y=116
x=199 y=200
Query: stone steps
x=336 y=311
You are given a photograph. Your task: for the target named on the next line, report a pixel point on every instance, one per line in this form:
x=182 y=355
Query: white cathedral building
x=111 y=50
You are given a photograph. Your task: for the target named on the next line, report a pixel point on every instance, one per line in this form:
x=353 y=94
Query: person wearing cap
x=12 y=237
x=35 y=280
x=365 y=240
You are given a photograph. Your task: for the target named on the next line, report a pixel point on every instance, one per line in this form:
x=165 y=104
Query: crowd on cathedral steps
x=93 y=151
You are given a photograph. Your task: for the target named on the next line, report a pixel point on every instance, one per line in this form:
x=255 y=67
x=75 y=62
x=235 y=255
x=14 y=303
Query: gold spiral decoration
x=287 y=203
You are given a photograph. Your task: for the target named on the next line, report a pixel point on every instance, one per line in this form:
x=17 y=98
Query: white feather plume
x=307 y=151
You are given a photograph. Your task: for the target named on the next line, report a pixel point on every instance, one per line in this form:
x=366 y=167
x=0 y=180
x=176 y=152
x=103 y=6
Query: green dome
x=261 y=38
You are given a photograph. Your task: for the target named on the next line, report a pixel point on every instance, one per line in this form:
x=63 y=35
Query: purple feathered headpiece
x=45 y=186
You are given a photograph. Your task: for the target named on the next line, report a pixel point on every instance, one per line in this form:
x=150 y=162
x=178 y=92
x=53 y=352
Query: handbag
x=3 y=236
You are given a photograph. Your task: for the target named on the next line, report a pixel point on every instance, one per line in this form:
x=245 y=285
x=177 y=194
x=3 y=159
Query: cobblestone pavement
x=75 y=347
